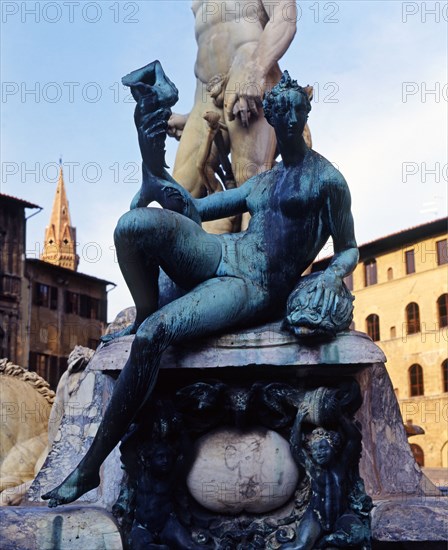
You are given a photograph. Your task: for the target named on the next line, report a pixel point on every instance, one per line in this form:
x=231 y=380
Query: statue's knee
x=123 y=228
x=153 y=335
x=131 y=225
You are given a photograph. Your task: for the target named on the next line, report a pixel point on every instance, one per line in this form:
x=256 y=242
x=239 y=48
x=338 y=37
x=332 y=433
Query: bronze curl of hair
x=285 y=85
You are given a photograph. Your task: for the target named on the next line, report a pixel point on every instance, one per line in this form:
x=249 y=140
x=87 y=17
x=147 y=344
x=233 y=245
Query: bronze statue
x=331 y=463
x=228 y=280
x=156 y=522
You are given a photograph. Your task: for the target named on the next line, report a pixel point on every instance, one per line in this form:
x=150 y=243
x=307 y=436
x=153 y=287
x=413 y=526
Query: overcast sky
x=379 y=69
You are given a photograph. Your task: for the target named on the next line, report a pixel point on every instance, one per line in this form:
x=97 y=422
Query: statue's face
x=322 y=452
x=289 y=115
x=162 y=460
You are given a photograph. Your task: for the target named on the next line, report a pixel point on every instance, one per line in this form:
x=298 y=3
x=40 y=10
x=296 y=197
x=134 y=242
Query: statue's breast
x=297 y=195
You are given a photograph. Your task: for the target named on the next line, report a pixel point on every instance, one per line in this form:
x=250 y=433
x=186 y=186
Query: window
x=72 y=302
x=418 y=453
x=442 y=252
x=416 y=380
x=445 y=376
x=89 y=307
x=393 y=332
x=410 y=261
x=390 y=274
x=373 y=327
x=442 y=310
x=83 y=305
x=412 y=318
x=370 y=277
x=45 y=296
x=349 y=281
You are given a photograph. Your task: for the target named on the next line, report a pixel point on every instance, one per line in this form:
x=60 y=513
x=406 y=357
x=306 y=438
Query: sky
x=380 y=109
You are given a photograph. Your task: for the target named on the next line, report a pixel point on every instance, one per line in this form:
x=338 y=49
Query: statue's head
x=158 y=457
x=305 y=317
x=324 y=445
x=286 y=106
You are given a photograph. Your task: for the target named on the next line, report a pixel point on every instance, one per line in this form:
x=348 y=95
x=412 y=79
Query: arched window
x=390 y=274
x=442 y=310
x=442 y=252
x=416 y=380
x=412 y=318
x=373 y=326
x=445 y=376
x=393 y=332
x=444 y=453
x=370 y=276
x=418 y=453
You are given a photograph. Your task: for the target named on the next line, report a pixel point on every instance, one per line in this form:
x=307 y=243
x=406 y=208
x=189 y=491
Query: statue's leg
x=146 y=238
x=185 y=169
x=252 y=151
x=214 y=305
x=308 y=532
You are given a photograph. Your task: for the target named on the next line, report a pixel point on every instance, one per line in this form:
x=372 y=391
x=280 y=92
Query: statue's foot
x=74 y=486
x=131 y=329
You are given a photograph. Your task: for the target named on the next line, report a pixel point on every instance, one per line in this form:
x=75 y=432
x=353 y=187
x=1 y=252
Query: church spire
x=60 y=236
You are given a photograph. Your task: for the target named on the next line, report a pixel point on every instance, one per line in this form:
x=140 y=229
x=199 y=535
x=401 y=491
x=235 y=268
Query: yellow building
x=401 y=300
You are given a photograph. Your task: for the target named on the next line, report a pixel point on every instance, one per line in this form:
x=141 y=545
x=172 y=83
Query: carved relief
x=268 y=465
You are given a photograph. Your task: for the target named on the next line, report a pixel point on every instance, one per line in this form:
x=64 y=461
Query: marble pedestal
x=408 y=507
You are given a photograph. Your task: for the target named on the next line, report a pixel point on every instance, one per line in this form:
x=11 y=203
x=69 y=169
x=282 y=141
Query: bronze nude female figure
x=229 y=280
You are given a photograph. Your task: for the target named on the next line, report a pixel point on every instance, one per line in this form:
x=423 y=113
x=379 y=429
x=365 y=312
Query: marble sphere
x=238 y=471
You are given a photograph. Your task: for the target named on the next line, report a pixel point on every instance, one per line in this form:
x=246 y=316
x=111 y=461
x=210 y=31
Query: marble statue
x=24 y=434
x=239 y=46
x=228 y=281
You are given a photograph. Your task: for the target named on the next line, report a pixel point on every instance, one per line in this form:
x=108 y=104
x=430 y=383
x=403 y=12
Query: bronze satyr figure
x=228 y=280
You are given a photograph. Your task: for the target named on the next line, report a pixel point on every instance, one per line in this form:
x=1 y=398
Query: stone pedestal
x=404 y=498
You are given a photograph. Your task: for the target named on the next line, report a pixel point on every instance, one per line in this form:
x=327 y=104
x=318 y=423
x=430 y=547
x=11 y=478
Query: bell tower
x=60 y=236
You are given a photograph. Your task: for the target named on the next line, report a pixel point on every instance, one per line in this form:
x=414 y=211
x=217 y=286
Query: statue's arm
x=341 y=225
x=225 y=203
x=296 y=439
x=252 y=66
x=352 y=434
x=277 y=35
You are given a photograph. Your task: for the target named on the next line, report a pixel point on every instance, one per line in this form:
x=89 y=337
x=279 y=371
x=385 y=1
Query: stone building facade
x=46 y=307
x=67 y=308
x=401 y=301
x=12 y=271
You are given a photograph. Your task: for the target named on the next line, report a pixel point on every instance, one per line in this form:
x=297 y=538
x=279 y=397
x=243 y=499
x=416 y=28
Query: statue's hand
x=244 y=92
x=302 y=410
x=327 y=291
x=151 y=129
x=176 y=125
x=177 y=199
